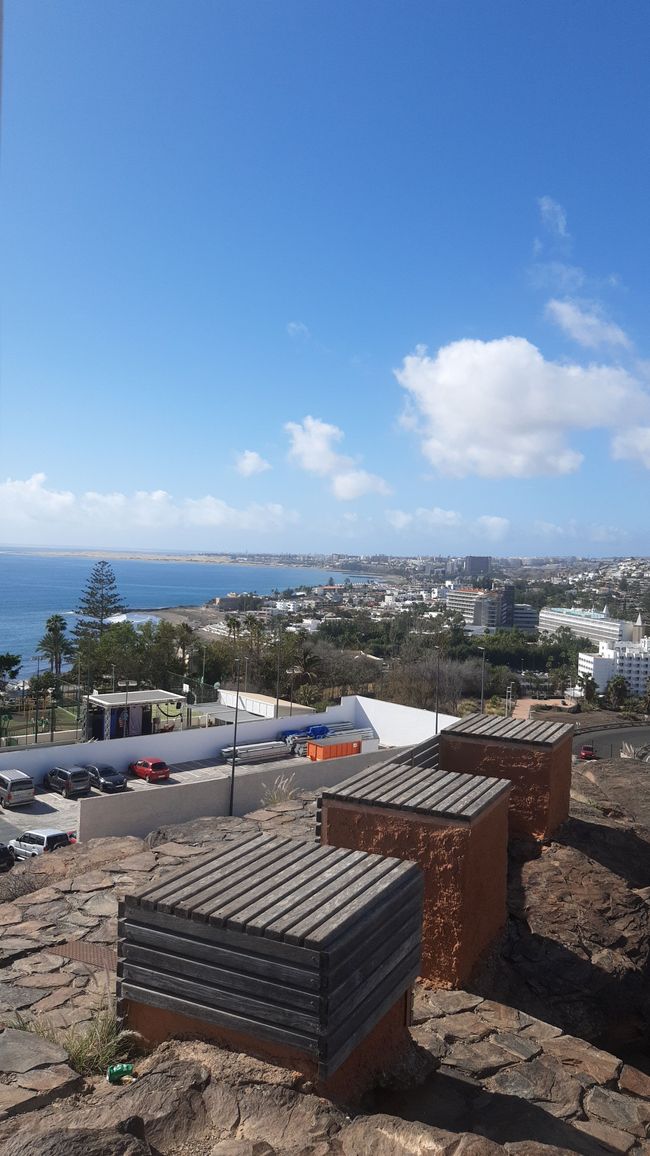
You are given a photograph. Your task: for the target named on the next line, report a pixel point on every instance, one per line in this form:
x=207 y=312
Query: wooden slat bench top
x=540 y=732
x=414 y=782
x=279 y=889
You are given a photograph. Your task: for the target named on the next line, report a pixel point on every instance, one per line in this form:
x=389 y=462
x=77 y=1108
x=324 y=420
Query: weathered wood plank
x=327 y=919
x=265 y=949
x=228 y=979
x=234 y=877
x=184 y=876
x=337 y=929
x=341 y=1012
x=236 y=1002
x=249 y=963
x=315 y=884
x=301 y=1041
x=353 y=968
x=292 y=890
x=248 y=897
x=356 y=871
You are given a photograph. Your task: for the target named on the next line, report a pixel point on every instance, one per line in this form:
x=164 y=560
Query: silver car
x=32 y=843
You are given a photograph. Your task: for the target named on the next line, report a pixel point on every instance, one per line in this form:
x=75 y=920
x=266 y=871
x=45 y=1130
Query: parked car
x=153 y=770
x=68 y=781
x=106 y=778
x=16 y=788
x=7 y=857
x=32 y=843
x=587 y=752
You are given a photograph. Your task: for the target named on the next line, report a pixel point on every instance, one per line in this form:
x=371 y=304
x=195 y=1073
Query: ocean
x=33 y=586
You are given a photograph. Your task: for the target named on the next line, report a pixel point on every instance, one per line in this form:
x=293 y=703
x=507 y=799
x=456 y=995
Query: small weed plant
x=91 y=1047
x=280 y=791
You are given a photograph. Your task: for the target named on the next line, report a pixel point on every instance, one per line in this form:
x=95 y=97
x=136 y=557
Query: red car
x=587 y=752
x=153 y=770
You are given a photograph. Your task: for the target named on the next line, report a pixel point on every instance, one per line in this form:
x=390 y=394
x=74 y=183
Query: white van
x=16 y=788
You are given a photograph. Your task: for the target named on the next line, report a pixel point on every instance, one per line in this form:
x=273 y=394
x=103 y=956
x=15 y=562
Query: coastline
x=194 y=559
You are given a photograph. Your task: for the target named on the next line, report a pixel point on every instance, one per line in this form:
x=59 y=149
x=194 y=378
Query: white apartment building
x=629 y=659
x=593 y=624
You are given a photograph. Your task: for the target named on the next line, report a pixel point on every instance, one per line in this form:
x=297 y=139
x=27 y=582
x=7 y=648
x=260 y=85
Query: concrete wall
x=398 y=726
x=262 y=704
x=177 y=747
x=139 y=812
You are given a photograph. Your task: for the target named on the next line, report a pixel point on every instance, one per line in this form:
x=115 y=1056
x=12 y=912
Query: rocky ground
x=520 y=1060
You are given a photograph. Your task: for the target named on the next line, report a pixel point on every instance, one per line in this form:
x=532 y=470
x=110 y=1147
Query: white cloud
x=553 y=216
x=30 y=512
x=249 y=462
x=426 y=517
x=585 y=323
x=557 y=276
x=313 y=449
x=500 y=409
x=634 y=445
x=398 y=519
x=493 y=527
x=353 y=484
x=298 y=329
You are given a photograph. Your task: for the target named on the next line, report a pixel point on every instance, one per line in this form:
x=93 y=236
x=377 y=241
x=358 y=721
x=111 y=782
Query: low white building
x=631 y=660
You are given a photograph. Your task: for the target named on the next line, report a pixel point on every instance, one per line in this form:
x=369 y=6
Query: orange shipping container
x=319 y=751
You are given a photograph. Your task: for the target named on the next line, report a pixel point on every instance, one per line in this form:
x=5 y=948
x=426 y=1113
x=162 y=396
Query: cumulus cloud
x=298 y=329
x=553 y=217
x=585 y=323
x=633 y=444
x=433 y=517
x=500 y=409
x=249 y=462
x=493 y=527
x=31 y=511
x=313 y=448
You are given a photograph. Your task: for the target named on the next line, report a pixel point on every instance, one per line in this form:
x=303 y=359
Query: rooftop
x=414 y=780
x=135 y=698
x=541 y=732
x=281 y=889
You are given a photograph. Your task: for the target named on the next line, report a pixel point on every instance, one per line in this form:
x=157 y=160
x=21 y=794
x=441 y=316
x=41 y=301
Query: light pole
x=38 y=675
x=437 y=650
x=204 y=648
x=482 y=649
x=277 y=676
x=234 y=746
x=113 y=678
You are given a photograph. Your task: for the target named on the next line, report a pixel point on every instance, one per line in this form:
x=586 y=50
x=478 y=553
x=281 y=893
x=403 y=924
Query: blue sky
x=307 y=274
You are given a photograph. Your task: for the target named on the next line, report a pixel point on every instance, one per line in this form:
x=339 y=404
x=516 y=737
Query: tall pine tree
x=100 y=599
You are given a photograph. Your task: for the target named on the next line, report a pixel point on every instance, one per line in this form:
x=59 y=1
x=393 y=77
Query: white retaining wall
x=139 y=812
x=398 y=726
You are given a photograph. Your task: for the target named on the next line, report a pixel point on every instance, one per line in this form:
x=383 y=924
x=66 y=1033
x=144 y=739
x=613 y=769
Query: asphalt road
x=607 y=744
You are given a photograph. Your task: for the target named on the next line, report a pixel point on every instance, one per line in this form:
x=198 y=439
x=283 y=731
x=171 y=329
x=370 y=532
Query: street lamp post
x=437 y=649
x=38 y=675
x=112 y=678
x=234 y=745
x=482 y=649
x=277 y=676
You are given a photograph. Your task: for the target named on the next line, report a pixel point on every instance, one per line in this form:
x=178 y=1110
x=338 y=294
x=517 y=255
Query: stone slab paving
x=505 y=1074
x=33 y=1072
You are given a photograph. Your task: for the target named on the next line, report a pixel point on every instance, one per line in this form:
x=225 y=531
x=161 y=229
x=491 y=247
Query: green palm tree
x=55 y=645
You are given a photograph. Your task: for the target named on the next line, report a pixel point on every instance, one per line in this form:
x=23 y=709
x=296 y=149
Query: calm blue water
x=33 y=586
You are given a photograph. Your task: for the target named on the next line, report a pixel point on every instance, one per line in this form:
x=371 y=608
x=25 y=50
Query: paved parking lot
x=50 y=809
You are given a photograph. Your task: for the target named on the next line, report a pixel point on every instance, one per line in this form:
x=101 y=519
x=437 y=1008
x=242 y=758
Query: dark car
x=106 y=778
x=153 y=770
x=7 y=857
x=68 y=781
